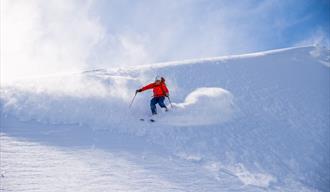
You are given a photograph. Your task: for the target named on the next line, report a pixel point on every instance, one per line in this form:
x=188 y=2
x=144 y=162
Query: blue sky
x=190 y=29
x=63 y=36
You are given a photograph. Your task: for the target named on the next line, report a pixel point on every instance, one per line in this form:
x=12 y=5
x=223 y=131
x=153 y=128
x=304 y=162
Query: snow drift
x=203 y=106
x=261 y=118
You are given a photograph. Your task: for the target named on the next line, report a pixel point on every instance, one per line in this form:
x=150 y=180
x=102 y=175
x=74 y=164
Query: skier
x=160 y=92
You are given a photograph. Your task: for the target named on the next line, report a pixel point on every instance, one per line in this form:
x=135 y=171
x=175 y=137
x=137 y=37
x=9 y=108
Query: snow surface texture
x=254 y=122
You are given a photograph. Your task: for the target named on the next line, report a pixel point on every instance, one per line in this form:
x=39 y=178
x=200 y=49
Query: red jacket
x=159 y=90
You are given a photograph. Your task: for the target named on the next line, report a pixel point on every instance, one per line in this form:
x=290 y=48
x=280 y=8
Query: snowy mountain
x=254 y=122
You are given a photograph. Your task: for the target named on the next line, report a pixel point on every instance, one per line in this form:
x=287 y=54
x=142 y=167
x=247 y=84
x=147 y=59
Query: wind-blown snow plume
x=203 y=106
x=46 y=37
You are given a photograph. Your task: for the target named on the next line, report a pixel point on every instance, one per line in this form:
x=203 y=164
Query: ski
x=151 y=120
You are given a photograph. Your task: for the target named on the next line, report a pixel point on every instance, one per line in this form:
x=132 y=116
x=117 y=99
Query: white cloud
x=173 y=30
x=46 y=37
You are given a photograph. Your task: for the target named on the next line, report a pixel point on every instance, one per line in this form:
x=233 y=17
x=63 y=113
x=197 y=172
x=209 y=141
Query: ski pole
x=169 y=100
x=132 y=100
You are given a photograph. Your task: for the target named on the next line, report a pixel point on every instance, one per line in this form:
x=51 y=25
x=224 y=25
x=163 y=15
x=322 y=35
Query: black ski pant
x=154 y=101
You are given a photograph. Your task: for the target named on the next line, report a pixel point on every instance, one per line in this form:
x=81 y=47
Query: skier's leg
x=153 y=103
x=161 y=103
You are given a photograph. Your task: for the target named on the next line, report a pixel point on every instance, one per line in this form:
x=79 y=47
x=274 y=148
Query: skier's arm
x=150 y=86
x=165 y=90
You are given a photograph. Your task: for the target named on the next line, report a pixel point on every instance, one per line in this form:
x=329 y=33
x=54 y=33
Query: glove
x=167 y=95
x=138 y=90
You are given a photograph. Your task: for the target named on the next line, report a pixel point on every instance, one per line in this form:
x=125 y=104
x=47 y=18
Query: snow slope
x=254 y=122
